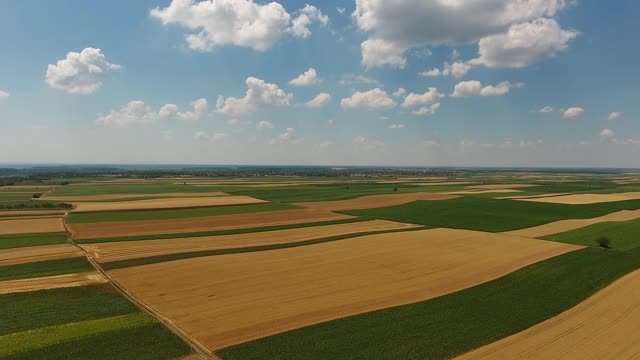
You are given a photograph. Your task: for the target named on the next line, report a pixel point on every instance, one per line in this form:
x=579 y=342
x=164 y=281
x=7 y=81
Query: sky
x=547 y=83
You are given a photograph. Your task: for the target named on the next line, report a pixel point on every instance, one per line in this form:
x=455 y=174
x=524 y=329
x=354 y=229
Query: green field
x=218 y=232
x=25 y=240
x=623 y=235
x=75 y=218
x=45 y=268
x=476 y=213
x=188 y=255
x=450 y=325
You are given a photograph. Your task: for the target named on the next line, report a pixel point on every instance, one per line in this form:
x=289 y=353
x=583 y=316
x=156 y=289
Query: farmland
x=297 y=267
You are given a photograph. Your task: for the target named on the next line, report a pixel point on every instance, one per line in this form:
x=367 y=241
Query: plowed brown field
x=604 y=327
x=125 y=196
x=230 y=299
x=572 y=224
x=38 y=253
x=106 y=252
x=30 y=226
x=169 y=203
x=204 y=223
x=577 y=199
x=52 y=282
x=373 y=201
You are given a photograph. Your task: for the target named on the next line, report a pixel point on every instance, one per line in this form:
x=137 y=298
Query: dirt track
x=373 y=201
x=31 y=226
x=578 y=199
x=230 y=299
x=604 y=327
x=106 y=252
x=204 y=223
x=52 y=282
x=169 y=203
x=572 y=224
x=38 y=253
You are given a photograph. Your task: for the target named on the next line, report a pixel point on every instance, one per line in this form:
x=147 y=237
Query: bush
x=36 y=196
x=604 y=242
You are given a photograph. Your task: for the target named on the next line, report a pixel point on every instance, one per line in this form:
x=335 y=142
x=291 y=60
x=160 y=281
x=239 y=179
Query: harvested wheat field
x=561 y=226
x=31 y=226
x=581 y=199
x=38 y=253
x=373 y=201
x=30 y=212
x=203 y=223
x=52 y=282
x=501 y=186
x=443 y=183
x=115 y=251
x=488 y=191
x=603 y=327
x=170 y=203
x=127 y=196
x=230 y=299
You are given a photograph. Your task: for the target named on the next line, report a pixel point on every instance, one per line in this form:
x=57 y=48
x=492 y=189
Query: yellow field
x=373 y=201
x=604 y=327
x=52 y=282
x=230 y=299
x=38 y=253
x=169 y=203
x=30 y=226
x=578 y=199
x=125 y=196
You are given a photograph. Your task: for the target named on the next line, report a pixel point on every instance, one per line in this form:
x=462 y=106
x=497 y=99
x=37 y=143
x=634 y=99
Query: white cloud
x=214 y=137
x=612 y=116
x=4 y=95
x=396 y=126
x=573 y=113
x=413 y=23
x=547 y=109
x=351 y=79
x=241 y=23
x=319 y=101
x=134 y=113
x=524 y=44
x=431 y=96
x=200 y=109
x=435 y=72
x=264 y=124
x=475 y=88
x=375 y=99
x=378 y=52
x=457 y=70
x=309 y=77
x=79 y=73
x=289 y=136
x=400 y=92
x=607 y=134
x=426 y=110
x=341 y=10
x=368 y=144
x=259 y=95
x=455 y=54
x=233 y=122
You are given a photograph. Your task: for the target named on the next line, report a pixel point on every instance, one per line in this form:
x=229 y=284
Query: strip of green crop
x=26 y=240
x=450 y=325
x=172 y=257
x=45 y=268
x=623 y=235
x=75 y=218
x=219 y=232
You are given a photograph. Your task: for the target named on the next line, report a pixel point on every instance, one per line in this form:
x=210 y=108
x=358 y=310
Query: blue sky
x=115 y=82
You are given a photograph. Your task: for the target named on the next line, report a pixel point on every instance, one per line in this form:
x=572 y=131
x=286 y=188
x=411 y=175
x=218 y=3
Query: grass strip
x=450 y=325
x=45 y=268
x=108 y=216
x=219 y=232
x=623 y=235
x=188 y=255
x=36 y=309
x=26 y=240
x=484 y=214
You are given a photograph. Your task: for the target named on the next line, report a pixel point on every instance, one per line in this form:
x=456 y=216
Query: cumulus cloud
x=319 y=101
x=396 y=126
x=4 y=95
x=400 y=92
x=607 y=134
x=352 y=79
x=457 y=70
x=375 y=99
x=134 y=113
x=200 y=109
x=547 y=109
x=289 y=136
x=243 y=23
x=523 y=44
x=412 y=23
x=309 y=77
x=378 y=52
x=259 y=95
x=213 y=137
x=264 y=124
x=431 y=96
x=79 y=73
x=612 y=116
x=573 y=113
x=475 y=88
x=426 y=110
